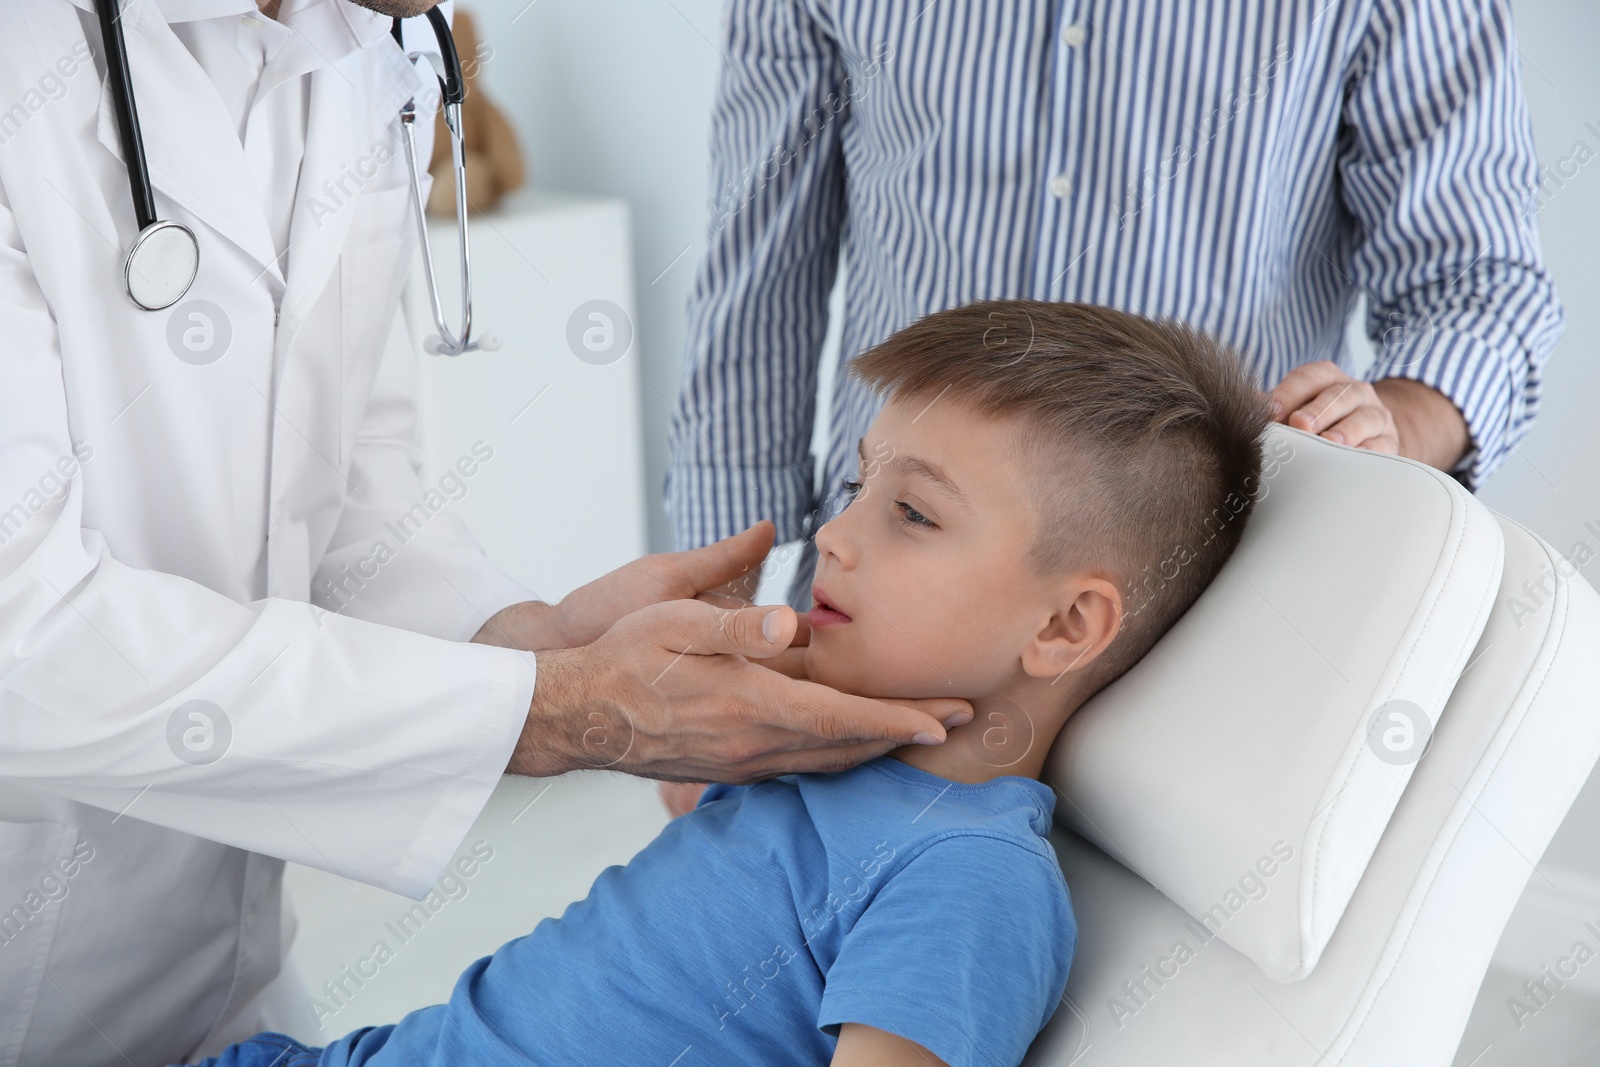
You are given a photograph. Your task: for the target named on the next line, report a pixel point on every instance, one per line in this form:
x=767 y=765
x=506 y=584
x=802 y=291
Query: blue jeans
x=266 y=1050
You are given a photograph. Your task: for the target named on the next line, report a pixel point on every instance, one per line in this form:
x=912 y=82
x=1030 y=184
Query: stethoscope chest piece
x=165 y=257
x=161 y=265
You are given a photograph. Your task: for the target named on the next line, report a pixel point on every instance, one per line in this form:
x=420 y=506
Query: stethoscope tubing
x=453 y=84
x=170 y=269
x=144 y=202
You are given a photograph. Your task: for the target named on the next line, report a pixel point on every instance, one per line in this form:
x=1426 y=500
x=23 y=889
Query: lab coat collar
x=350 y=114
x=193 y=151
x=357 y=26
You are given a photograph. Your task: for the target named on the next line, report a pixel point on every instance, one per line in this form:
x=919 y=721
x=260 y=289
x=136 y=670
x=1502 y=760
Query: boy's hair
x=1142 y=440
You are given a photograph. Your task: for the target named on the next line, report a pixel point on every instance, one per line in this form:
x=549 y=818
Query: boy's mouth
x=824 y=613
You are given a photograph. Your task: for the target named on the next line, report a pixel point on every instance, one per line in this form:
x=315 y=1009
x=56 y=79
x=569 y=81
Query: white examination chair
x=1245 y=735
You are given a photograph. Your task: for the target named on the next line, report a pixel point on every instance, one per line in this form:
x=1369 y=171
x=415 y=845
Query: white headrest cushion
x=1235 y=767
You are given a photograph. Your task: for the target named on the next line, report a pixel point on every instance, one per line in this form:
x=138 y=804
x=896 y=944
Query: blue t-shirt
x=756 y=924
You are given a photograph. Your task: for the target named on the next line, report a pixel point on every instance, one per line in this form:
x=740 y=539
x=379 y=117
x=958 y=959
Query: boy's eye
x=911 y=515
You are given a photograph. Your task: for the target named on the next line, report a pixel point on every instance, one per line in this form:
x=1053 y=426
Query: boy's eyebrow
x=931 y=471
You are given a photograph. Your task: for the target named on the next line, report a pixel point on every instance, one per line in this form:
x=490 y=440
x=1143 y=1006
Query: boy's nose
x=831 y=540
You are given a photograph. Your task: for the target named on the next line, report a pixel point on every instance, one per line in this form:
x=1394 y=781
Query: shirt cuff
x=1475 y=377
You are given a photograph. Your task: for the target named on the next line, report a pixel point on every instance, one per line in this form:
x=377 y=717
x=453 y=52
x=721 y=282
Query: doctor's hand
x=680 y=798
x=671 y=692
x=590 y=610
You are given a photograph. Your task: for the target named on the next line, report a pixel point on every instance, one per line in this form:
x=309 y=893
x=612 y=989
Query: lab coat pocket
x=37 y=863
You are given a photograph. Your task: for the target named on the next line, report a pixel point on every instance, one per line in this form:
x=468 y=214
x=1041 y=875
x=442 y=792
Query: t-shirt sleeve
x=965 y=951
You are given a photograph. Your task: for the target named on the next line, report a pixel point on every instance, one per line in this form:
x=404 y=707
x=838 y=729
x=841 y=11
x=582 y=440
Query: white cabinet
x=562 y=499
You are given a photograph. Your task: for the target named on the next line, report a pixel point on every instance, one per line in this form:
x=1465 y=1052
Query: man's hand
x=670 y=692
x=680 y=798
x=590 y=610
x=1395 y=415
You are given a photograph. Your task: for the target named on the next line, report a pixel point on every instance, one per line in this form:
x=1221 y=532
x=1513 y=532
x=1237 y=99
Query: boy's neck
x=996 y=743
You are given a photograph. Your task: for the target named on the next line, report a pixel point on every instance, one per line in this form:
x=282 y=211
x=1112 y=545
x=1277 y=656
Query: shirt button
x=1060 y=186
x=1074 y=35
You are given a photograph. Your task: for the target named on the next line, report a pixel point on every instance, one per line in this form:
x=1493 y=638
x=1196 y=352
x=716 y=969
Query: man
x=175 y=716
x=1251 y=168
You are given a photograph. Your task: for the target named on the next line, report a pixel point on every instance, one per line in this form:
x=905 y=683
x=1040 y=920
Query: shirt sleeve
x=758 y=312
x=965 y=951
x=1440 y=173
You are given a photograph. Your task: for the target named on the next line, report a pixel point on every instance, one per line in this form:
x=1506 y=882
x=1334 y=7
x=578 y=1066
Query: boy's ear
x=1088 y=616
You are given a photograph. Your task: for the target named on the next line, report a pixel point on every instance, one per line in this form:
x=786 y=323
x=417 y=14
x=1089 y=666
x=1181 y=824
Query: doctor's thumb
x=755 y=632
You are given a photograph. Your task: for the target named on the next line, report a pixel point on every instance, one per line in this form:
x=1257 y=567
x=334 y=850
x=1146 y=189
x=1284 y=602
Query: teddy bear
x=493 y=161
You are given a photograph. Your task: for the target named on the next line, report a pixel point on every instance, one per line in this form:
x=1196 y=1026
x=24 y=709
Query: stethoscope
x=162 y=263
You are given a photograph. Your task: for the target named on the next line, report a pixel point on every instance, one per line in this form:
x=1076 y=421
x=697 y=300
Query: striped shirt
x=1250 y=166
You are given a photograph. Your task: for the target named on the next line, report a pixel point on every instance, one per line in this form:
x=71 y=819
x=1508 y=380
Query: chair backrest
x=1516 y=740
x=1248 y=764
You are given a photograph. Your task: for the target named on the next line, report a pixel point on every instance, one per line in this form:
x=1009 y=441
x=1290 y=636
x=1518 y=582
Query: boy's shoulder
x=885 y=807
x=898 y=786
x=972 y=889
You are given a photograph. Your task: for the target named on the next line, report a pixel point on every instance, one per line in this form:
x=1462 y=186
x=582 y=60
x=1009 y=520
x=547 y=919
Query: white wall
x=614 y=97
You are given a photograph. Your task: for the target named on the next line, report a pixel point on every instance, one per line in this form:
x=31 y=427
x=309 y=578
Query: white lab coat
x=162 y=526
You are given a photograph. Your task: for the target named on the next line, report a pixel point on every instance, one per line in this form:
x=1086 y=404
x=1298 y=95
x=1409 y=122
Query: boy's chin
x=862 y=681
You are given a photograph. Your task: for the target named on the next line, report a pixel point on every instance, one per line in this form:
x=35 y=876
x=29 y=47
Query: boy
x=1032 y=460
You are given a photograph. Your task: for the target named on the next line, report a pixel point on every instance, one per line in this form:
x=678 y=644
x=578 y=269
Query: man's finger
x=1329 y=406
x=832 y=717
x=694 y=626
x=1368 y=427
x=728 y=559
x=768 y=635
x=1303 y=383
x=818 y=760
x=719 y=599
x=791 y=662
x=948 y=710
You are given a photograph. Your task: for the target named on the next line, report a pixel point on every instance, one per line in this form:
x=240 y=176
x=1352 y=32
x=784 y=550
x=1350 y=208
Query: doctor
x=176 y=717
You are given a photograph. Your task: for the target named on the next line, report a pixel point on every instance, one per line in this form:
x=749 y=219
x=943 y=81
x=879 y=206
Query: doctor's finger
x=733 y=562
x=791 y=662
x=824 y=716
x=822 y=760
x=757 y=633
x=694 y=627
x=729 y=596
